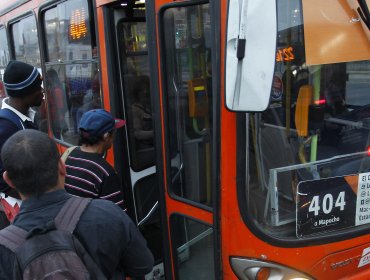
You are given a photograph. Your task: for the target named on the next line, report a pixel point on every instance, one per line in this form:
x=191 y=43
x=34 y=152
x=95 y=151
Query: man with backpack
x=23 y=84
x=56 y=233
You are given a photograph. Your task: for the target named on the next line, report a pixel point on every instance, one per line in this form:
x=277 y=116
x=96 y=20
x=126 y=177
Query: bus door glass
x=72 y=79
x=186 y=51
x=26 y=48
x=132 y=51
x=4 y=59
x=308 y=184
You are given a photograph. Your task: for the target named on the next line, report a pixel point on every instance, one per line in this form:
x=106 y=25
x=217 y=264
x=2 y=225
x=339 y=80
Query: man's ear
x=7 y=179
x=62 y=167
x=106 y=135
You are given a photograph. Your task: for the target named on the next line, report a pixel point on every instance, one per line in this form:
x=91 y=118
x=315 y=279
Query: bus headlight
x=248 y=269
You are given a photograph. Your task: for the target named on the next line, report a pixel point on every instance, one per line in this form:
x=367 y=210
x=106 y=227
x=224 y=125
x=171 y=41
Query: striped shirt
x=90 y=175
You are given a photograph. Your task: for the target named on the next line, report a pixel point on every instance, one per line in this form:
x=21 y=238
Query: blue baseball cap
x=97 y=122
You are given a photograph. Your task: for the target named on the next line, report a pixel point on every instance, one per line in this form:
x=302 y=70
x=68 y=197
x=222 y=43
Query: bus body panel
x=240 y=235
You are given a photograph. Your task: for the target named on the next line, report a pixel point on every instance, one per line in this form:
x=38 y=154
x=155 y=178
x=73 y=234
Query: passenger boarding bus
x=246 y=148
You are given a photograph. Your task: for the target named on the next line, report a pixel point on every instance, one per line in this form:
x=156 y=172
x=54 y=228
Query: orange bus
x=246 y=148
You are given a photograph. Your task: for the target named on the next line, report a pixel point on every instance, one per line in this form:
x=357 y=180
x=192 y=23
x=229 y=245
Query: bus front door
x=187 y=152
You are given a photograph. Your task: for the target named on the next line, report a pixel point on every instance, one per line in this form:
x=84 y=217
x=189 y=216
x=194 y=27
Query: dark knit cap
x=21 y=79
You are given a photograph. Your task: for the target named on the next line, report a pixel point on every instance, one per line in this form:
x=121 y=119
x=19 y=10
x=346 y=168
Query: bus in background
x=246 y=149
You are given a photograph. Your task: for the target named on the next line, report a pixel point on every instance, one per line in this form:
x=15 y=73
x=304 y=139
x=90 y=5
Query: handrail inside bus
x=315 y=163
x=150 y=213
x=194 y=240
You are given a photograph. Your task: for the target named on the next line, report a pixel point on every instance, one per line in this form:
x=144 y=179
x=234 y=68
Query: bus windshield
x=310 y=147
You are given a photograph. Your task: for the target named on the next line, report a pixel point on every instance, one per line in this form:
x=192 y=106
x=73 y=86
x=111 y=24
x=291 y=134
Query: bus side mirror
x=250 y=54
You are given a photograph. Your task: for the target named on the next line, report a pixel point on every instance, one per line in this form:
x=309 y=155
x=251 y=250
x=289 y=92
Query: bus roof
x=7 y=6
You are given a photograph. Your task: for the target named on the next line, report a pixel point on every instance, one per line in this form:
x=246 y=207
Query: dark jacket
x=107 y=233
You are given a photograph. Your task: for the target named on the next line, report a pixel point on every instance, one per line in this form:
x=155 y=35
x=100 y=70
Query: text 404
x=327 y=203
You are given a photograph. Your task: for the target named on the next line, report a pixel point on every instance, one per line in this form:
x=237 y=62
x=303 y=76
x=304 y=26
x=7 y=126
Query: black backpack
x=52 y=252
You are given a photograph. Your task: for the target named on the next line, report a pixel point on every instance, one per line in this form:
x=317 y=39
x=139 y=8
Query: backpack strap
x=70 y=213
x=67 y=152
x=67 y=220
x=12 y=237
x=11 y=116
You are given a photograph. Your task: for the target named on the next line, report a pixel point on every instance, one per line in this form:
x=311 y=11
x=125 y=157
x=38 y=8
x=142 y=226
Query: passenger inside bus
x=78 y=87
x=57 y=103
x=91 y=100
x=142 y=115
x=140 y=127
